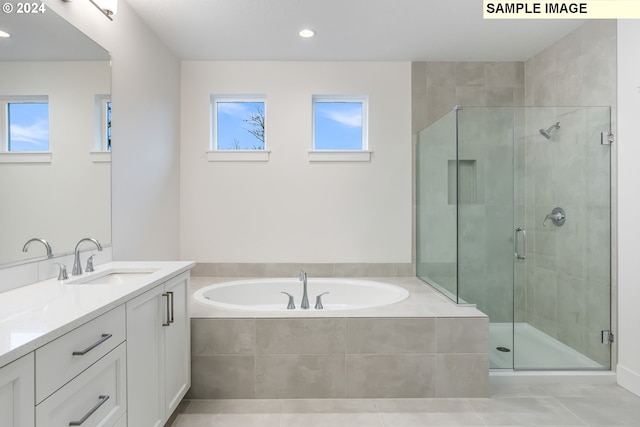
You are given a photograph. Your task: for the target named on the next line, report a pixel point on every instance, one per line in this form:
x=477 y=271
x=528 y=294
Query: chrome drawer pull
x=102 y=401
x=171 y=298
x=92 y=346
x=168 y=311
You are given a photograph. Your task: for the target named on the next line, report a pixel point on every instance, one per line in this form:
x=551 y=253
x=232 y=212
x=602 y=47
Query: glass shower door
x=562 y=193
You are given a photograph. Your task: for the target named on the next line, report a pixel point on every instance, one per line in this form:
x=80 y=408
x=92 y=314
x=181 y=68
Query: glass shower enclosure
x=513 y=214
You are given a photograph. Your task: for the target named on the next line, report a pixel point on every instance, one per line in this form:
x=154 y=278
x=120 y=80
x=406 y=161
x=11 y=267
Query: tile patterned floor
x=509 y=405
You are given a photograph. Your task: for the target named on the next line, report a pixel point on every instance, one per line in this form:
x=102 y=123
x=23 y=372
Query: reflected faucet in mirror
x=41 y=240
x=77 y=267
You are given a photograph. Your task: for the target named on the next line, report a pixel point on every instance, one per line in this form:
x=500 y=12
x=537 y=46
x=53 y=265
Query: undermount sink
x=113 y=277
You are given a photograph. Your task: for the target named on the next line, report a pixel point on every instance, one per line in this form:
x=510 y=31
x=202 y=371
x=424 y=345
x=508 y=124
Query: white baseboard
x=552 y=377
x=628 y=379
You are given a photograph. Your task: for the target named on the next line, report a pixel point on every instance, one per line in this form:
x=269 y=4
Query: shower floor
x=533 y=349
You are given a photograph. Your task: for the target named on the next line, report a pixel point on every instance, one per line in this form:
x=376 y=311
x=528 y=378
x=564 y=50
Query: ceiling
x=45 y=37
x=347 y=30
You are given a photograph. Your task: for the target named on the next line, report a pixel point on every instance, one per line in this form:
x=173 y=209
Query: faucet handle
x=319 y=301
x=557 y=216
x=62 y=273
x=291 y=305
x=89 y=267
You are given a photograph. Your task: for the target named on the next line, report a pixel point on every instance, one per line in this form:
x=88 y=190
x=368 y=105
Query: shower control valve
x=557 y=216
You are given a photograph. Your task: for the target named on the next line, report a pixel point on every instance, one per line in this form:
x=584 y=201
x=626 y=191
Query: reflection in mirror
x=54 y=136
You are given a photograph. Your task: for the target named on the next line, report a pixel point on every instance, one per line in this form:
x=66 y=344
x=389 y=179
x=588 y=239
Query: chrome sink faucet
x=41 y=240
x=77 y=267
x=305 y=298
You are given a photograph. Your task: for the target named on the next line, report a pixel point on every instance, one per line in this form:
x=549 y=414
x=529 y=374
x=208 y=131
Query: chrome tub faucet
x=305 y=298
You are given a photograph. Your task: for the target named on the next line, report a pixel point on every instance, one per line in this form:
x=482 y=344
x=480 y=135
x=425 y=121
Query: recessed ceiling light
x=4 y=34
x=307 y=32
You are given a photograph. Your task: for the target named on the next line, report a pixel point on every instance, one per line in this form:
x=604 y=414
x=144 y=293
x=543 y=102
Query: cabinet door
x=145 y=359
x=17 y=393
x=178 y=343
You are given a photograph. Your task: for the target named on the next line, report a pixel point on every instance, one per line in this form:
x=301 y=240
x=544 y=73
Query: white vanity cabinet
x=80 y=377
x=111 y=353
x=158 y=349
x=16 y=393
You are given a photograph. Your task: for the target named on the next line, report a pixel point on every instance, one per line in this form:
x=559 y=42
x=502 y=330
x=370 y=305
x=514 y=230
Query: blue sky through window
x=28 y=126
x=238 y=125
x=338 y=125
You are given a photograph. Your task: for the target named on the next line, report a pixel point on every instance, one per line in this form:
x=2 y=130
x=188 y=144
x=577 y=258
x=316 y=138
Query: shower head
x=547 y=132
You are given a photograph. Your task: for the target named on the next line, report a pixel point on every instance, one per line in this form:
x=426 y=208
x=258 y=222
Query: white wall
x=145 y=156
x=289 y=210
x=44 y=199
x=628 y=140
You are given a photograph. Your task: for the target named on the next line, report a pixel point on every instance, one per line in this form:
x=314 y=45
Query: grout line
x=255 y=357
x=375 y=405
x=569 y=410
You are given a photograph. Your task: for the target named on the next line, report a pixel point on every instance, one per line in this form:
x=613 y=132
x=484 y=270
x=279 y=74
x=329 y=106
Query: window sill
x=100 y=156
x=26 y=157
x=330 y=156
x=238 y=156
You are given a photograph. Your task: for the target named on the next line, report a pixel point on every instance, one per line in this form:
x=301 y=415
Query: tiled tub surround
x=247 y=269
x=424 y=346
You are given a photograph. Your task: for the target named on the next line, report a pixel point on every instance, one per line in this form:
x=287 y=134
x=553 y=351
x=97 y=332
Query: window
x=24 y=129
x=107 y=125
x=238 y=124
x=238 y=128
x=339 y=123
x=24 y=124
x=102 y=130
x=340 y=128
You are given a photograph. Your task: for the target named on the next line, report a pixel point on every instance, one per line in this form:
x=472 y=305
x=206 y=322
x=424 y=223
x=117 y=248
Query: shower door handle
x=518 y=231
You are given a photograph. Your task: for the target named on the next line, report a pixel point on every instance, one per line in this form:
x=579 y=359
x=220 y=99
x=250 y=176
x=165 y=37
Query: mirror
x=65 y=195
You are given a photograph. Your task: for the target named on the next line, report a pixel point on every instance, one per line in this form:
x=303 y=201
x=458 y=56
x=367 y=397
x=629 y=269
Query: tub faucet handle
x=319 y=301
x=89 y=267
x=291 y=305
x=62 y=273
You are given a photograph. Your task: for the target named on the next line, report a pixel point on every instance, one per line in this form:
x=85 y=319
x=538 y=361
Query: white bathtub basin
x=266 y=294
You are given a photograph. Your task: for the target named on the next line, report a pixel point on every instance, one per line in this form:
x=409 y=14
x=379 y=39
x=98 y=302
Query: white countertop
x=33 y=315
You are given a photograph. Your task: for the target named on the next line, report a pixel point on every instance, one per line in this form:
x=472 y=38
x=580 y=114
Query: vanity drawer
x=97 y=397
x=56 y=363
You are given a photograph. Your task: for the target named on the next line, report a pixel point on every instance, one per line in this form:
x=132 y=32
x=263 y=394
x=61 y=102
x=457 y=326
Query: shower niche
x=487 y=177
x=462 y=183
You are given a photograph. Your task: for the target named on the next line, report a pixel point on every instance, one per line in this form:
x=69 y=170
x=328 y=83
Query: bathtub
x=266 y=294
x=245 y=344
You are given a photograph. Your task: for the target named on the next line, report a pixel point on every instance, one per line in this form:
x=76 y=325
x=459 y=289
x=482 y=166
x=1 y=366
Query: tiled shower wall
x=437 y=88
